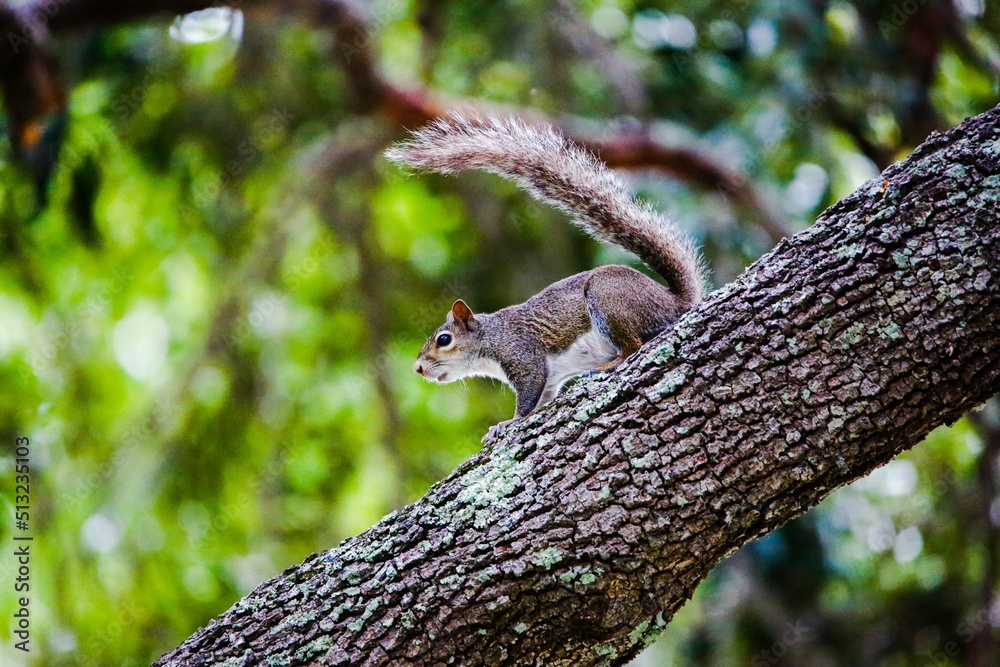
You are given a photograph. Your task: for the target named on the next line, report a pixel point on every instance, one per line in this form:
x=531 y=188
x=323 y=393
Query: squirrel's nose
x=418 y=367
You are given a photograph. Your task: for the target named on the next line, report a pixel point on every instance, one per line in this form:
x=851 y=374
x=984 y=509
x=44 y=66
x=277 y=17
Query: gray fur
x=590 y=321
x=558 y=172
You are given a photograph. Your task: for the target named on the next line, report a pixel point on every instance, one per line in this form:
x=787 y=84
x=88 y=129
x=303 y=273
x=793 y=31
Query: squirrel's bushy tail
x=558 y=172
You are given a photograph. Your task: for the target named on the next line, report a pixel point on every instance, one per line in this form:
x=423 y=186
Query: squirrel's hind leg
x=627 y=307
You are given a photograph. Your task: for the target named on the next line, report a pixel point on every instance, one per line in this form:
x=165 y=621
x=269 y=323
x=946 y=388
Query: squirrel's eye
x=443 y=339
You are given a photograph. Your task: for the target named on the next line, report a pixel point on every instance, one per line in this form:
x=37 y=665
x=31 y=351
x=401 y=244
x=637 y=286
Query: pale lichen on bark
x=573 y=539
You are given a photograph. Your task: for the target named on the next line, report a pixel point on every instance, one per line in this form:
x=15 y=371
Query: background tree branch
x=575 y=538
x=634 y=147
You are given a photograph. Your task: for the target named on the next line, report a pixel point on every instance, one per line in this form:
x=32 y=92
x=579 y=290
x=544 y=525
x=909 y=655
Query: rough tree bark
x=575 y=538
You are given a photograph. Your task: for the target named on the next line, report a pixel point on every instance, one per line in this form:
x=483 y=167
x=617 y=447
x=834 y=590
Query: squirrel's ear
x=460 y=312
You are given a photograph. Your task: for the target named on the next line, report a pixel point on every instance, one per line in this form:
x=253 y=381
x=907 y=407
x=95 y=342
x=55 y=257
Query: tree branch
x=34 y=95
x=412 y=107
x=575 y=538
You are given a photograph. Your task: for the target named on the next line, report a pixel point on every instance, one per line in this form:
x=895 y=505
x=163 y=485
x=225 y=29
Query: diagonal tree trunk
x=574 y=539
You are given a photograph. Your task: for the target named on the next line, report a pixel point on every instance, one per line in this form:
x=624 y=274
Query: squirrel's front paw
x=497 y=430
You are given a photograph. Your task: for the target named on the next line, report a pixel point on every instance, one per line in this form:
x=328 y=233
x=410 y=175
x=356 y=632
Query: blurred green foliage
x=207 y=334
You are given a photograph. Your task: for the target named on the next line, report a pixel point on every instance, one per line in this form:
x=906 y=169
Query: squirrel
x=588 y=322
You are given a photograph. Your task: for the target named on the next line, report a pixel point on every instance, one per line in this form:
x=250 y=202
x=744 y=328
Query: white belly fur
x=586 y=353
x=487 y=368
